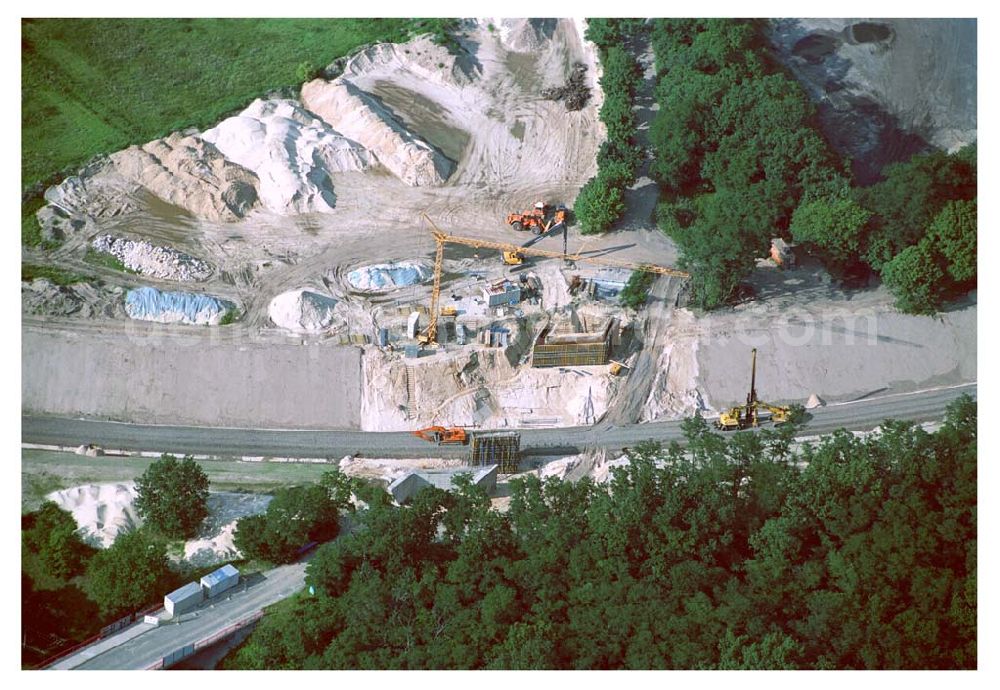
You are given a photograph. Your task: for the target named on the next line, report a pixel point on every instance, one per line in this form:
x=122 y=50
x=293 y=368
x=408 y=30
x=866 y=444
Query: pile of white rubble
x=150 y=260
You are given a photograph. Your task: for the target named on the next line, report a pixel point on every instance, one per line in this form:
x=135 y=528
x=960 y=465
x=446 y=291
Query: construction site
x=395 y=250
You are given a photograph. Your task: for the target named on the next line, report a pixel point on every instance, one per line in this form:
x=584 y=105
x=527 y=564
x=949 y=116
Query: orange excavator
x=443 y=436
x=539 y=219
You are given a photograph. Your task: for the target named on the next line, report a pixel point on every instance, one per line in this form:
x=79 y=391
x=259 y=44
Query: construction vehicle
x=616 y=367
x=442 y=238
x=748 y=415
x=449 y=311
x=443 y=436
x=539 y=219
x=511 y=258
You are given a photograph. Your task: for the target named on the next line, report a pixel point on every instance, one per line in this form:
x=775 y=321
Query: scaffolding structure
x=571 y=349
x=501 y=448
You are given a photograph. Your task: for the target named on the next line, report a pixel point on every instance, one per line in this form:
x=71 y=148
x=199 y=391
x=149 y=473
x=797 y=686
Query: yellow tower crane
x=442 y=238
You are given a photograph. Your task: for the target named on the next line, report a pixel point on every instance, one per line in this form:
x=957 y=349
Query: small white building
x=218 y=581
x=184 y=599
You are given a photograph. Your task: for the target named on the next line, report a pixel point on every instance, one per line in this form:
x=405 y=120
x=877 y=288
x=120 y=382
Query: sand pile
x=384 y=277
x=97 y=192
x=148 y=259
x=42 y=297
x=185 y=171
x=150 y=304
x=101 y=510
x=813 y=402
x=421 y=56
x=214 y=542
x=190 y=173
x=525 y=35
x=291 y=151
x=303 y=311
x=360 y=117
x=391 y=469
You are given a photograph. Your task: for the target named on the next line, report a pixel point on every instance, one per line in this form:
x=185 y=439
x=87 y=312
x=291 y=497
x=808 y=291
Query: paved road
x=146 y=649
x=227 y=442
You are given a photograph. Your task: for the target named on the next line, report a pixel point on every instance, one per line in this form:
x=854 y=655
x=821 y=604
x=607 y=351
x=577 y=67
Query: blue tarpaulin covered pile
x=149 y=304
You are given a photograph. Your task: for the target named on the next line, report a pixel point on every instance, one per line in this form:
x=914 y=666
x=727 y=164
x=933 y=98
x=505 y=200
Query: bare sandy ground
x=187 y=379
x=507 y=149
x=811 y=337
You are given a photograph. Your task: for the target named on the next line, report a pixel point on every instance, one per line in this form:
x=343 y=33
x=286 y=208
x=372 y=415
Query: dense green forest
x=740 y=159
x=93 y=86
x=736 y=552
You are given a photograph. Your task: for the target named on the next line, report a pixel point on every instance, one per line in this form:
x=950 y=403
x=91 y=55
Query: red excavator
x=443 y=435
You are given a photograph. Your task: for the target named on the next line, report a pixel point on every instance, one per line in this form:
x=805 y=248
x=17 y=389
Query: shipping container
x=220 y=580
x=184 y=599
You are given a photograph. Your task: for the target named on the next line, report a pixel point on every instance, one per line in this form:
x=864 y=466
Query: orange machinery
x=443 y=435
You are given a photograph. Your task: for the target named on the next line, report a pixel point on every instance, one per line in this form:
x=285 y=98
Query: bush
x=52 y=536
x=172 y=496
x=601 y=201
x=618 y=174
x=916 y=279
x=620 y=71
x=629 y=153
x=306 y=71
x=130 y=574
x=599 y=204
x=953 y=234
x=835 y=226
x=296 y=516
x=735 y=142
x=637 y=289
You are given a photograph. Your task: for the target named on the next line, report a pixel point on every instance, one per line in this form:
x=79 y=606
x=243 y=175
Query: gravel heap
x=148 y=259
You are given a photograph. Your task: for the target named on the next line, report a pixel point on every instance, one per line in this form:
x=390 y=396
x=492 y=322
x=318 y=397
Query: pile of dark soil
x=575 y=93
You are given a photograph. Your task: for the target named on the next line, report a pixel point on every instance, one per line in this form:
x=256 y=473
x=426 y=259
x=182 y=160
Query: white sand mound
x=814 y=402
x=303 y=311
x=291 y=151
x=221 y=547
x=190 y=173
x=379 y=277
x=101 y=510
x=525 y=35
x=421 y=56
x=360 y=117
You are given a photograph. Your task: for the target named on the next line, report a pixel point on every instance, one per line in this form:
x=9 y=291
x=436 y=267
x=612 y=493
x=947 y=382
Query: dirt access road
x=858 y=416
